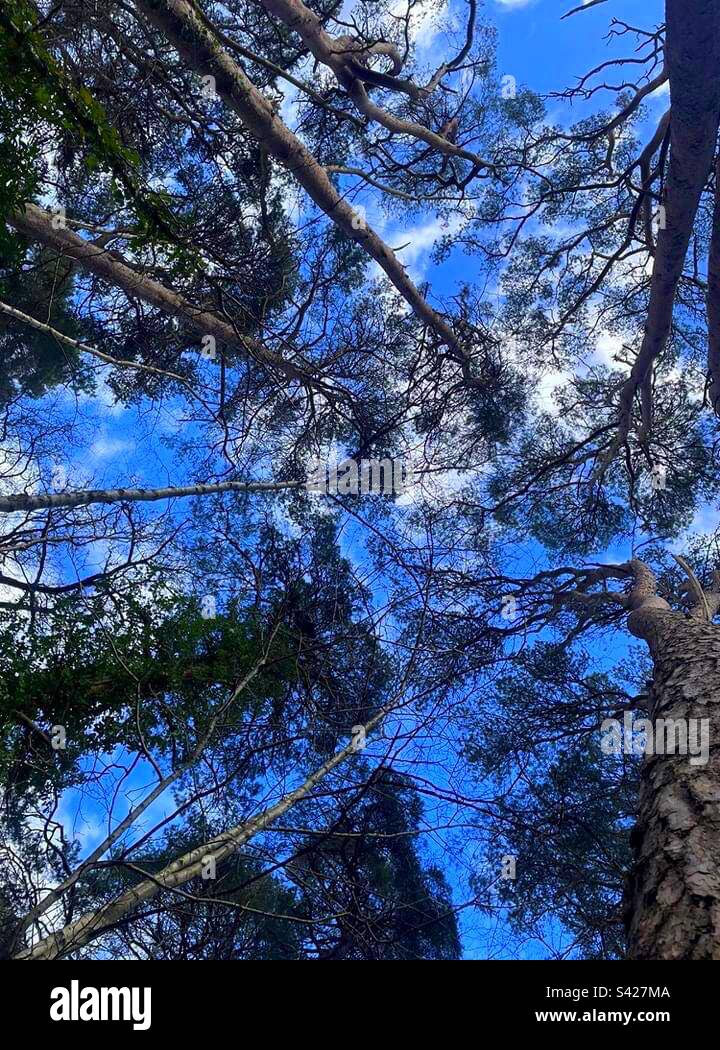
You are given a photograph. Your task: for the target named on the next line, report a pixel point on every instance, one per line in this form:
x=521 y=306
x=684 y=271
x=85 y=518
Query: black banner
x=197 y=1001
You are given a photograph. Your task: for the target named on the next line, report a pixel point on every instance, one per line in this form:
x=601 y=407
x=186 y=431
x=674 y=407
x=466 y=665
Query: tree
x=358 y=890
x=324 y=699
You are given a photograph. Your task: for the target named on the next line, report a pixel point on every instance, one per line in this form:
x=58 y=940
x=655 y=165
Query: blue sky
x=543 y=52
x=537 y=47
x=547 y=52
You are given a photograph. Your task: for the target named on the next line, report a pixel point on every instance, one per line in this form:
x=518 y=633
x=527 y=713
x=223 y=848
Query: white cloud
x=417 y=243
x=512 y=5
x=424 y=21
x=107 y=447
x=544 y=389
x=606 y=347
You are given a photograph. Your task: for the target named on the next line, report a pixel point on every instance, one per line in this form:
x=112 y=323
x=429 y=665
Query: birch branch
x=583 y=7
x=137 y=811
x=82 y=498
x=184 y=868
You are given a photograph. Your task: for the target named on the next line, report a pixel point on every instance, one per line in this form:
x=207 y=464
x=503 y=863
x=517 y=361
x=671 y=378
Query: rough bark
x=713 y=301
x=673 y=893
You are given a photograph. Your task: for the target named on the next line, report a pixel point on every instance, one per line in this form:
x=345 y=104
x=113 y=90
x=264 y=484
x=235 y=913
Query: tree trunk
x=673 y=893
x=692 y=58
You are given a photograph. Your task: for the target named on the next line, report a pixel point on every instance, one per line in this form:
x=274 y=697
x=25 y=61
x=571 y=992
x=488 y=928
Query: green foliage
x=387 y=888
x=159 y=667
x=33 y=88
x=567 y=818
x=32 y=362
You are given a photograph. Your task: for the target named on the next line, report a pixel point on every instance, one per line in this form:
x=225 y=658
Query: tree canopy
x=246 y=715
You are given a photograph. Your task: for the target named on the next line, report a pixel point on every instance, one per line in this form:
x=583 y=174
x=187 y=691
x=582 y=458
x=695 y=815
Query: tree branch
x=198 y=44
x=25 y=502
